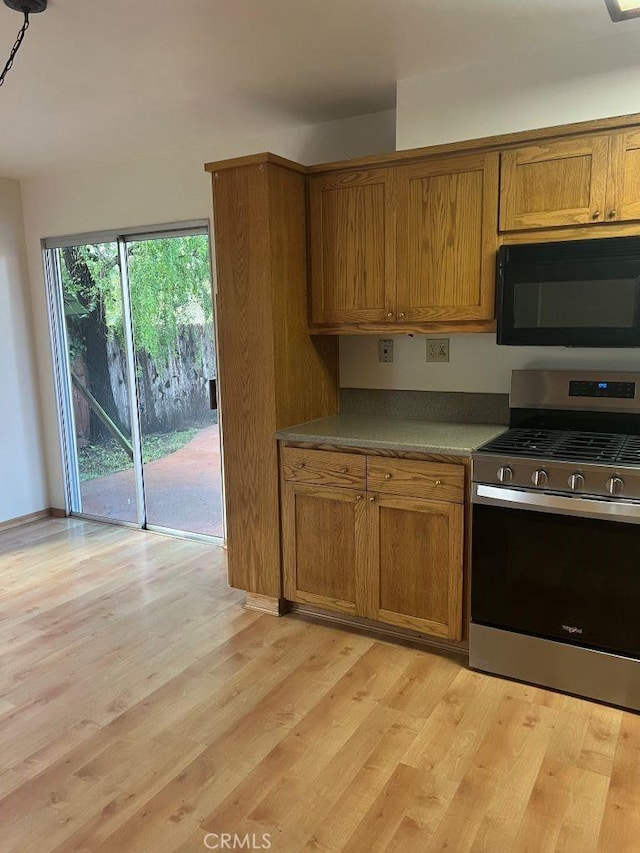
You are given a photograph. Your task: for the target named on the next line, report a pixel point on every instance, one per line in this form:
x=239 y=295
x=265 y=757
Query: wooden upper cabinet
x=553 y=184
x=447 y=239
x=623 y=189
x=352 y=245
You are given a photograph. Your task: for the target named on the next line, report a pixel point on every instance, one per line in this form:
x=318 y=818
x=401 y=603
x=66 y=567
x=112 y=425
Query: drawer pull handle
x=387 y=476
x=344 y=470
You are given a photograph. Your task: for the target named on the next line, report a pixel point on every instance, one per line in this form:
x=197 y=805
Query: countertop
x=418 y=436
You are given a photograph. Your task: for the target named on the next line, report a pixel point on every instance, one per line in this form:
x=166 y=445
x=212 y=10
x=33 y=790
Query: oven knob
x=576 y=482
x=615 y=485
x=505 y=474
x=540 y=477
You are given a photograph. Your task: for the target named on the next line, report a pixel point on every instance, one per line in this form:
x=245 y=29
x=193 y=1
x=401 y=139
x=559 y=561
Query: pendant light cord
x=15 y=48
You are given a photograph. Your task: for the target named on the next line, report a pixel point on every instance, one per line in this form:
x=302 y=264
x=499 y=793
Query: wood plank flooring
x=142 y=709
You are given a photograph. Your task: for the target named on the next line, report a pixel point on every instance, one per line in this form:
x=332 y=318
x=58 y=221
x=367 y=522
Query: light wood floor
x=141 y=708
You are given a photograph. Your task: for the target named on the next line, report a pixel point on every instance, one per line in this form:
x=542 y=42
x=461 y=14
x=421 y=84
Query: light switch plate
x=385 y=351
x=438 y=349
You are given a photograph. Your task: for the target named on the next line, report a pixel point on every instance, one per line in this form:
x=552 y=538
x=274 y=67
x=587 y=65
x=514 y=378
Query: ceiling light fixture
x=27 y=7
x=620 y=10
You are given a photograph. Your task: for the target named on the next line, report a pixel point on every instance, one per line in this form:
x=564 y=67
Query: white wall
x=587 y=81
x=23 y=487
x=580 y=82
x=152 y=191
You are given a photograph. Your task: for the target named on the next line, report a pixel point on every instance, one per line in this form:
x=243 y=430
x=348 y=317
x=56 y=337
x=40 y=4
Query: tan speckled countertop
x=417 y=436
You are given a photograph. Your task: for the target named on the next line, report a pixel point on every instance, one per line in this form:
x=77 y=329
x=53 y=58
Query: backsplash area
x=438 y=406
x=477 y=364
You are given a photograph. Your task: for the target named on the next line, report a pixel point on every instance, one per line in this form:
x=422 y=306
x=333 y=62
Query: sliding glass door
x=134 y=334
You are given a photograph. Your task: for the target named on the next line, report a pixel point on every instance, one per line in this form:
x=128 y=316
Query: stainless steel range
x=556 y=537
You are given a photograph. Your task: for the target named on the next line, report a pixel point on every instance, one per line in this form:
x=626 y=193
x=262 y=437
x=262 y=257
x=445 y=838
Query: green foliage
x=169 y=283
x=170 y=287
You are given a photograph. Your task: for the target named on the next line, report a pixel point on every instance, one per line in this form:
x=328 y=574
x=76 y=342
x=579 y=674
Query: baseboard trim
x=265 y=604
x=380 y=631
x=54 y=512
x=21 y=520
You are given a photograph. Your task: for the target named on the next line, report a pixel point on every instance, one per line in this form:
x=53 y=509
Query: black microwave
x=579 y=293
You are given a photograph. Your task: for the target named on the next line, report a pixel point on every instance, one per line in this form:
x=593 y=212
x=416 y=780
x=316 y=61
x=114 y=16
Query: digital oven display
x=614 y=390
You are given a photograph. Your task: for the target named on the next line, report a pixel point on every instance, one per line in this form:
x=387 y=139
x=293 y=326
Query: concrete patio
x=183 y=490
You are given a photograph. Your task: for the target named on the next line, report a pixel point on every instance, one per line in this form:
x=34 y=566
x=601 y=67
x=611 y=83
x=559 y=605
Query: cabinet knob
x=387 y=476
x=595 y=214
x=438 y=482
x=300 y=464
x=390 y=314
x=344 y=470
x=612 y=213
x=372 y=498
x=401 y=314
x=358 y=497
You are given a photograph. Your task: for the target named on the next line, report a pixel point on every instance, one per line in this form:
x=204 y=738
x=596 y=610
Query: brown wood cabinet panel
x=271 y=373
x=419 y=558
x=623 y=191
x=305 y=369
x=395 y=558
x=323 y=468
x=324 y=545
x=437 y=480
x=246 y=379
x=352 y=244
x=447 y=239
x=555 y=183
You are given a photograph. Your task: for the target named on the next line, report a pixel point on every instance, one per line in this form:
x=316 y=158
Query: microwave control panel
x=612 y=390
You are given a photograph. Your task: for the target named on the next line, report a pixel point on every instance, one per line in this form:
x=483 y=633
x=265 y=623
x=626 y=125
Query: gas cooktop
x=572 y=433
x=606 y=448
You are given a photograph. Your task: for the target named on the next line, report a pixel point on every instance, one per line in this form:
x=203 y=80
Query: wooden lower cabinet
x=324 y=547
x=416 y=567
x=396 y=559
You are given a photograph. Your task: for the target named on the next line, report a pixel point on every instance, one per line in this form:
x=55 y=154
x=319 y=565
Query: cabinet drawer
x=323 y=468
x=438 y=480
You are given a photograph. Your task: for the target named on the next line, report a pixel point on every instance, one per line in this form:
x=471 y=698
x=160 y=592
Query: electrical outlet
x=385 y=351
x=438 y=349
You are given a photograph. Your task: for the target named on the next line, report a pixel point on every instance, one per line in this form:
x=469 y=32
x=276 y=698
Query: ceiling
x=121 y=79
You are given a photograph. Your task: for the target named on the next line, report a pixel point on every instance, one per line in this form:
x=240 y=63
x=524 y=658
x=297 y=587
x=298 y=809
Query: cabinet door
x=324 y=546
x=447 y=239
x=352 y=245
x=556 y=183
x=416 y=579
x=623 y=191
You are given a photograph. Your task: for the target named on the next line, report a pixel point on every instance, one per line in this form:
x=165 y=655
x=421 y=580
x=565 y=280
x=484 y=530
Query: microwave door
x=566 y=300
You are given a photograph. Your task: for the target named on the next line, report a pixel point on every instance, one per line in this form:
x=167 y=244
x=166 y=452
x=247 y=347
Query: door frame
x=62 y=381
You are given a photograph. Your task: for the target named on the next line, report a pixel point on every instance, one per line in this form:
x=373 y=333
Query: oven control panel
x=550 y=476
x=595 y=388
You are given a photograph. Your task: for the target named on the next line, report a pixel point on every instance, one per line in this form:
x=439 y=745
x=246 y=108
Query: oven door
x=557 y=567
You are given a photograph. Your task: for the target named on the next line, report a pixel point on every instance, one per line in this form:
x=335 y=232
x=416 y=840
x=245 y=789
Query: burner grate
x=567 y=445
x=630 y=452
x=524 y=442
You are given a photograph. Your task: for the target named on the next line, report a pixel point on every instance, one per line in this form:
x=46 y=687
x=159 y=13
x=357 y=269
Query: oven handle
x=624 y=511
